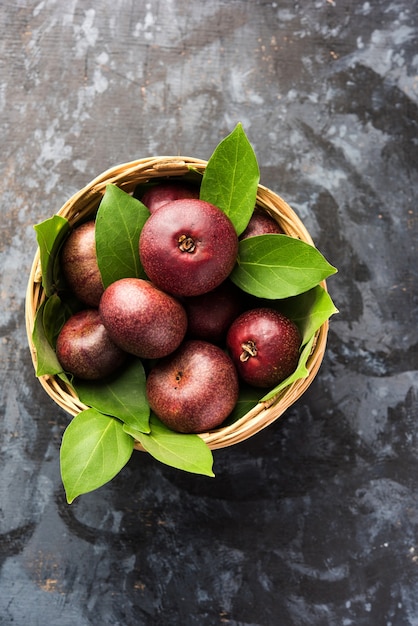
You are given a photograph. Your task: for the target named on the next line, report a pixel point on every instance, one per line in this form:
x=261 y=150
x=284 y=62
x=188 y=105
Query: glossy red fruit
x=142 y=319
x=164 y=192
x=194 y=389
x=85 y=349
x=211 y=314
x=264 y=345
x=188 y=247
x=261 y=223
x=79 y=264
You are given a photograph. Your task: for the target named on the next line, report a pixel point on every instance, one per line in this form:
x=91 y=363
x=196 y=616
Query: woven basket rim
x=127 y=175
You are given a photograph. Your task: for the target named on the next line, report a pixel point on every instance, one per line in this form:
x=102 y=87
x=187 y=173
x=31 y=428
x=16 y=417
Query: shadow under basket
x=84 y=204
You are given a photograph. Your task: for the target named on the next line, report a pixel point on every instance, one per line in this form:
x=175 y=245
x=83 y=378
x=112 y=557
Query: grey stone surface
x=313 y=521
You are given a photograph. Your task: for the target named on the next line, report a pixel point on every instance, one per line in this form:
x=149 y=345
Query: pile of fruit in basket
x=173 y=299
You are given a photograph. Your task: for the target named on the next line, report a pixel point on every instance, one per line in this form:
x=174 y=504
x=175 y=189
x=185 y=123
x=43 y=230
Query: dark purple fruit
x=188 y=247
x=164 y=192
x=194 y=389
x=85 y=349
x=211 y=314
x=79 y=264
x=261 y=223
x=141 y=319
x=264 y=345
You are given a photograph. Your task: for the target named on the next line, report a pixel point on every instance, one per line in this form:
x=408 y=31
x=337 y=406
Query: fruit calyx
x=249 y=349
x=186 y=243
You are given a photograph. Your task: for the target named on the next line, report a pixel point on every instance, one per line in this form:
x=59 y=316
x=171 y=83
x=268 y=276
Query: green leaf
x=47 y=362
x=94 y=449
x=50 y=234
x=185 y=452
x=122 y=396
x=278 y=266
x=119 y=222
x=231 y=178
x=55 y=314
x=309 y=310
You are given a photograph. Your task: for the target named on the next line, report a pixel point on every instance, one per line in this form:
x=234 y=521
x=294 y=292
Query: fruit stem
x=186 y=243
x=248 y=349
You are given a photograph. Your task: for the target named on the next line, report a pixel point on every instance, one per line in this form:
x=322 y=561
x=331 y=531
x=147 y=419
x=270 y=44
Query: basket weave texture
x=127 y=176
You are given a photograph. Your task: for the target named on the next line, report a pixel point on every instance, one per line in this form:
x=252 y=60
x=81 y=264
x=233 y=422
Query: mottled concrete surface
x=313 y=522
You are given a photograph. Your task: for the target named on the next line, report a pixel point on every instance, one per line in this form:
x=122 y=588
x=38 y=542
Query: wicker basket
x=127 y=176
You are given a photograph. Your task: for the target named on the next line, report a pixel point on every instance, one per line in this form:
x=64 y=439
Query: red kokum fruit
x=261 y=223
x=85 y=349
x=194 y=389
x=141 y=319
x=211 y=314
x=188 y=247
x=79 y=264
x=164 y=192
x=264 y=345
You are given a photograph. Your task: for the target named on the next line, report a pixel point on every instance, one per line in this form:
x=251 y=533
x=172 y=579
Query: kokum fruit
x=211 y=314
x=188 y=247
x=194 y=389
x=142 y=319
x=167 y=191
x=79 y=264
x=261 y=223
x=85 y=349
x=264 y=345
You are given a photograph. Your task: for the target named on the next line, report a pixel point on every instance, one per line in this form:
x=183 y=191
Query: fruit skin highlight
x=188 y=247
x=264 y=346
x=194 y=389
x=141 y=319
x=85 y=349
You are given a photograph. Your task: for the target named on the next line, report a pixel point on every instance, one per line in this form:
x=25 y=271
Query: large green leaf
x=94 y=449
x=122 y=395
x=231 y=178
x=186 y=452
x=119 y=222
x=278 y=266
x=50 y=234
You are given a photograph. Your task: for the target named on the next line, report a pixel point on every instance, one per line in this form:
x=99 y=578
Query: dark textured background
x=315 y=520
